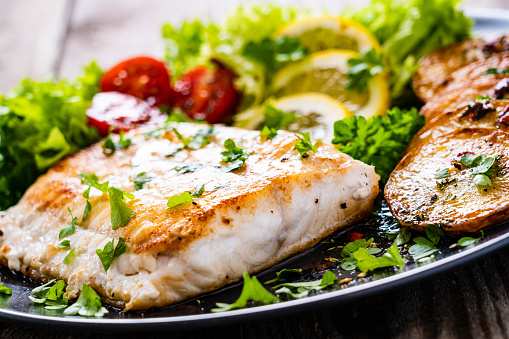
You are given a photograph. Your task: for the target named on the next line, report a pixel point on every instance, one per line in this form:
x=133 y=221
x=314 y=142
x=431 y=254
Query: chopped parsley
x=180 y=199
x=357 y=254
x=285 y=274
x=111 y=252
x=482 y=167
x=467 y=241
x=188 y=168
x=69 y=230
x=120 y=212
x=268 y=132
x=198 y=191
x=196 y=141
x=275 y=119
x=69 y=256
x=109 y=146
x=92 y=180
x=302 y=289
x=378 y=141
x=443 y=173
x=66 y=243
x=88 y=304
x=4 y=289
x=362 y=69
x=52 y=297
x=494 y=71
x=253 y=290
x=425 y=247
x=141 y=179
x=234 y=155
x=304 y=145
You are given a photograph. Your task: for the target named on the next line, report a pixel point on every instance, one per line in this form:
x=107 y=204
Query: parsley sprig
x=51 y=296
x=357 y=254
x=301 y=289
x=88 y=304
x=425 y=247
x=185 y=197
x=304 y=145
x=275 y=119
x=362 y=69
x=109 y=146
x=111 y=252
x=69 y=230
x=482 y=167
x=234 y=155
x=141 y=179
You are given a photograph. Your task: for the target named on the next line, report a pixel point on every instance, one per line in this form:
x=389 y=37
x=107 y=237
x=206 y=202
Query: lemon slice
x=326 y=72
x=317 y=34
x=315 y=112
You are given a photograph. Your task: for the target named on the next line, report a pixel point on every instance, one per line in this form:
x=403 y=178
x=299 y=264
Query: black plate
x=196 y=312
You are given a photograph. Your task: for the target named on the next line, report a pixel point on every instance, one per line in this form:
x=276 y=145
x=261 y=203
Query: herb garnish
x=482 y=167
x=443 y=173
x=109 y=146
x=357 y=254
x=196 y=141
x=52 y=297
x=467 y=241
x=303 y=288
x=66 y=243
x=304 y=145
x=69 y=230
x=120 y=212
x=235 y=155
x=378 y=141
x=141 y=179
x=252 y=290
x=111 y=252
x=4 y=289
x=275 y=119
x=188 y=168
x=92 y=180
x=88 y=304
x=494 y=71
x=69 y=256
x=284 y=274
x=275 y=53
x=424 y=247
x=180 y=199
x=198 y=191
x=362 y=69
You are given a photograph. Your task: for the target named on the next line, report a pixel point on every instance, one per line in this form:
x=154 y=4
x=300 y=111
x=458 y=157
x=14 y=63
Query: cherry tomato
x=122 y=112
x=143 y=77
x=207 y=94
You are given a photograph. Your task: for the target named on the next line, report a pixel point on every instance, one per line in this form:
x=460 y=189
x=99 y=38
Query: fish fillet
x=277 y=204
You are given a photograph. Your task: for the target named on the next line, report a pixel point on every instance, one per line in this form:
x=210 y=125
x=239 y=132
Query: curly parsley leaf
x=111 y=252
x=120 y=212
x=274 y=54
x=88 y=304
x=234 y=155
x=69 y=230
x=285 y=274
x=253 y=290
x=362 y=69
x=4 y=289
x=52 y=297
x=109 y=146
x=141 y=179
x=378 y=141
x=304 y=145
x=180 y=199
x=302 y=289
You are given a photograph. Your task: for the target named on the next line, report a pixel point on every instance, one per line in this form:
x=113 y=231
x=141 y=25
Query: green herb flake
x=111 y=252
x=275 y=53
x=188 y=168
x=109 y=146
x=88 y=304
x=141 y=179
x=69 y=230
x=367 y=262
x=253 y=290
x=52 y=297
x=268 y=132
x=285 y=274
x=467 y=241
x=180 y=199
x=4 y=289
x=425 y=247
x=276 y=119
x=304 y=145
x=482 y=167
x=66 y=243
x=69 y=256
x=198 y=191
x=302 y=289
x=120 y=212
x=362 y=68
x=234 y=155
x=443 y=173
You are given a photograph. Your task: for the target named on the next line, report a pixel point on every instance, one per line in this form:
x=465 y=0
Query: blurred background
x=38 y=38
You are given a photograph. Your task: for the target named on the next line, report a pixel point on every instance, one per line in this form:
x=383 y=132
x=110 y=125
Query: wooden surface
x=42 y=37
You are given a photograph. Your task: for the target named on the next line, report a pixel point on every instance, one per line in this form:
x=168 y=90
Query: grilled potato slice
x=435 y=67
x=417 y=198
x=460 y=95
x=478 y=113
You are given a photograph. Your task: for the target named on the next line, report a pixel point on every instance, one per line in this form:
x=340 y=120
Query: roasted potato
x=478 y=113
x=454 y=202
x=460 y=95
x=435 y=67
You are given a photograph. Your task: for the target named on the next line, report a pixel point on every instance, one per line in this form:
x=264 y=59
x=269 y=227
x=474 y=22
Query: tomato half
x=207 y=94
x=143 y=77
x=121 y=112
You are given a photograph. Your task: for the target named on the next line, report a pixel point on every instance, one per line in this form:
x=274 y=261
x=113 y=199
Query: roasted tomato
x=143 y=77
x=121 y=112
x=207 y=94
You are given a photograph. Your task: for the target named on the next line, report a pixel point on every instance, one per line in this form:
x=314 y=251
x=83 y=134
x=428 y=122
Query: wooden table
x=38 y=38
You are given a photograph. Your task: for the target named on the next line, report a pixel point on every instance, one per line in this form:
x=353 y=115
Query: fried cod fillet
x=275 y=205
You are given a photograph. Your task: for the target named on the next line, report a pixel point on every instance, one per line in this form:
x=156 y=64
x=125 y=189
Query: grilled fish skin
x=460 y=95
x=277 y=204
x=435 y=68
x=487 y=116
x=417 y=198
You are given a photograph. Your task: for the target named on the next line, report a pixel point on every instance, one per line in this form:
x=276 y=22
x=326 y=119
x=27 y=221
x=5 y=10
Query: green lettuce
x=408 y=30
x=40 y=123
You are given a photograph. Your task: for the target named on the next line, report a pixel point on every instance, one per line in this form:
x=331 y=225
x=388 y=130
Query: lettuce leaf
x=40 y=123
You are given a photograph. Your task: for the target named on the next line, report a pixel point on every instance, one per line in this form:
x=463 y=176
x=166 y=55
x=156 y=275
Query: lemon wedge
x=326 y=72
x=315 y=113
x=327 y=32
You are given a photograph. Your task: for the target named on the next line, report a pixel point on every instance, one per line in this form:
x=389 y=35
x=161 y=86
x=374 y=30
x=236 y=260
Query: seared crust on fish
x=277 y=204
x=456 y=203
